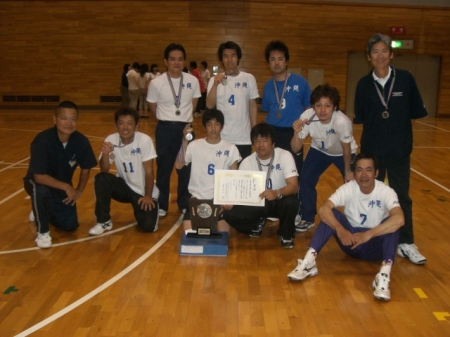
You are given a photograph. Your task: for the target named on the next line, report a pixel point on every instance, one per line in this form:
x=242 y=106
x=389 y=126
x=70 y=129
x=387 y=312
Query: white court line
x=10 y=196
x=434 y=182
x=69 y=242
x=432 y=126
x=19 y=162
x=102 y=287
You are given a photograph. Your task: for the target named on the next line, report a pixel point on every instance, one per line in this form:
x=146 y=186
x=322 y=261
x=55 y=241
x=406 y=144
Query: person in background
x=194 y=71
x=133 y=85
x=143 y=80
x=124 y=85
x=154 y=73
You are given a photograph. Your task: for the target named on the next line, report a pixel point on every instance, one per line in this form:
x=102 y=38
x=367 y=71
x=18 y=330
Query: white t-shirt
x=205 y=159
x=143 y=80
x=365 y=210
x=159 y=92
x=153 y=76
x=327 y=138
x=132 y=77
x=205 y=76
x=283 y=167
x=128 y=161
x=233 y=100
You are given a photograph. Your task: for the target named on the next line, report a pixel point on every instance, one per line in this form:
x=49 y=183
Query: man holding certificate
x=206 y=155
x=280 y=192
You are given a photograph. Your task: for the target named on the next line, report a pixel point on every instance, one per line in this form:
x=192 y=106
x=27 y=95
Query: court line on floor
x=432 y=126
x=105 y=285
x=19 y=162
x=429 y=179
x=70 y=242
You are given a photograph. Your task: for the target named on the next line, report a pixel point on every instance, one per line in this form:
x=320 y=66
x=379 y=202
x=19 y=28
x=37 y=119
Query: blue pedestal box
x=204 y=246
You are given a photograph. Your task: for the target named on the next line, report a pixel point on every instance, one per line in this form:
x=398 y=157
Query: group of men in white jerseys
x=369 y=227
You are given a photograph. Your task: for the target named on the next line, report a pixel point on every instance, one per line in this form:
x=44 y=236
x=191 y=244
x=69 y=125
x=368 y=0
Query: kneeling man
x=280 y=193
x=133 y=154
x=206 y=155
x=368 y=229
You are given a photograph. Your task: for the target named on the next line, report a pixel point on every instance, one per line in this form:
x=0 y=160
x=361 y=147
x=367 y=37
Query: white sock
x=386 y=267
x=310 y=256
x=187 y=231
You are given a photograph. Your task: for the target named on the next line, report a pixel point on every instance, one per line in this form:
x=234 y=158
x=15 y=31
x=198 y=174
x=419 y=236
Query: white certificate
x=236 y=187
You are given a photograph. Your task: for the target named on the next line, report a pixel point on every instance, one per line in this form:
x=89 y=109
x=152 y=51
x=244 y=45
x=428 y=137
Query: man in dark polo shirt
x=387 y=100
x=55 y=154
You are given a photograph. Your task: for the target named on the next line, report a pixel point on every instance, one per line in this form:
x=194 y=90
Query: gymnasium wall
x=76 y=49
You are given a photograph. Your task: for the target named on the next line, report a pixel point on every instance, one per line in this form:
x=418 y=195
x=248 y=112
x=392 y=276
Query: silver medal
x=385 y=114
x=224 y=81
x=177 y=112
x=112 y=156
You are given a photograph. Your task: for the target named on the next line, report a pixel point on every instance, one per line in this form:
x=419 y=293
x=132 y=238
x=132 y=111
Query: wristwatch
x=279 y=195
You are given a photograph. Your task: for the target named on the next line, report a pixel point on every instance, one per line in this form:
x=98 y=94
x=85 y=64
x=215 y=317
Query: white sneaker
x=298 y=218
x=302 y=271
x=100 y=228
x=381 y=287
x=44 y=240
x=31 y=217
x=411 y=252
x=162 y=213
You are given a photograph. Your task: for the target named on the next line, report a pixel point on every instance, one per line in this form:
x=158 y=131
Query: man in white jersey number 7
x=368 y=229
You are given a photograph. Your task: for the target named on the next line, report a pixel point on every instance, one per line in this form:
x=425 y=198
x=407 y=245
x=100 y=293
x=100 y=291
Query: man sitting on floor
x=368 y=229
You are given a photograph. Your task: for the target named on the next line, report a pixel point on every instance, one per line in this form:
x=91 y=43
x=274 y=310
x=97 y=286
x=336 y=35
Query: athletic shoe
x=100 y=228
x=303 y=271
x=259 y=228
x=31 y=217
x=287 y=243
x=411 y=252
x=162 y=213
x=304 y=225
x=298 y=219
x=44 y=240
x=381 y=287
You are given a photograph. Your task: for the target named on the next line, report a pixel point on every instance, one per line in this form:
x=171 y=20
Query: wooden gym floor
x=129 y=283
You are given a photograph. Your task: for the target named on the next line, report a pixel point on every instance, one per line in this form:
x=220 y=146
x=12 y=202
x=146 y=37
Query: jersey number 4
x=231 y=100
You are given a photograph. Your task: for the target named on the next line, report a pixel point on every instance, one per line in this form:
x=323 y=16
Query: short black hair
x=136 y=65
x=193 y=64
x=126 y=111
x=263 y=130
x=174 y=46
x=213 y=114
x=365 y=155
x=325 y=90
x=126 y=66
x=230 y=45
x=66 y=105
x=278 y=46
x=205 y=64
